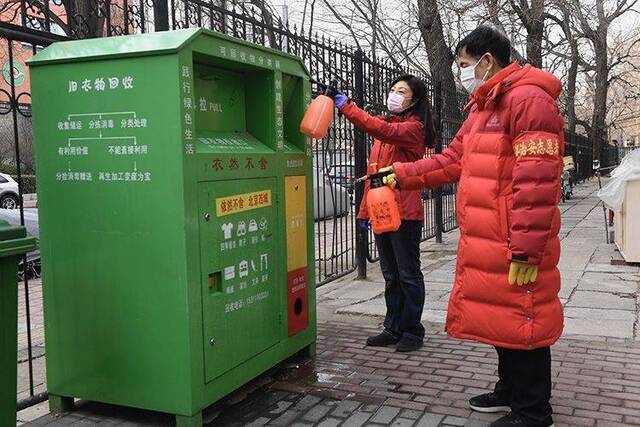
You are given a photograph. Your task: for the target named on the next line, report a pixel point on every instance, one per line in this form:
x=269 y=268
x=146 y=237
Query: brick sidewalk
x=595 y=384
x=596 y=363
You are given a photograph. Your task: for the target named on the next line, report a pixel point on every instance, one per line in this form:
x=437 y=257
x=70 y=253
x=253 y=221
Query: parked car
x=329 y=200
x=8 y=192
x=342 y=174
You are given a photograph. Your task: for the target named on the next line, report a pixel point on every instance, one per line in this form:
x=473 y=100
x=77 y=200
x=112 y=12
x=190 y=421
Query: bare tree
x=82 y=18
x=496 y=11
x=374 y=26
x=594 y=24
x=440 y=55
x=85 y=18
x=531 y=14
x=560 y=15
x=268 y=18
x=624 y=90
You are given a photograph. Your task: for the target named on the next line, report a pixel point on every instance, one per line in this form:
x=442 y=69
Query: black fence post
x=437 y=193
x=362 y=235
x=161 y=15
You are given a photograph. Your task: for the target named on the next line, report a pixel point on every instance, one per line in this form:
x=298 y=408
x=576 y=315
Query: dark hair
x=421 y=108
x=487 y=39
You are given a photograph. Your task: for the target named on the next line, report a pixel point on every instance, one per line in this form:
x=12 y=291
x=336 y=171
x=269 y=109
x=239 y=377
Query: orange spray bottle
x=319 y=114
x=384 y=213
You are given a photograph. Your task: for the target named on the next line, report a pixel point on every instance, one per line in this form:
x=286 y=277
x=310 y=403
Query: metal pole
x=360 y=151
x=604 y=211
x=14 y=113
x=438 y=95
x=32 y=401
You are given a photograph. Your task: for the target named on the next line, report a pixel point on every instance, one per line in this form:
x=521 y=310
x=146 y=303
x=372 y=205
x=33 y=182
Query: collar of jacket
x=402 y=117
x=486 y=94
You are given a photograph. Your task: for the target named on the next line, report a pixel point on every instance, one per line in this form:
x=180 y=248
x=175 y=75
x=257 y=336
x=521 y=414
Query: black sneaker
x=513 y=420
x=407 y=344
x=489 y=403
x=382 y=340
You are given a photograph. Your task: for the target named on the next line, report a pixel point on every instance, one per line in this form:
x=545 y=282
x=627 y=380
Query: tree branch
x=343 y=22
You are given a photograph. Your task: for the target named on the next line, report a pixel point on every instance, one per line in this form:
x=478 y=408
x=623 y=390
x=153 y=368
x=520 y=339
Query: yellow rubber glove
x=390 y=179
x=522 y=273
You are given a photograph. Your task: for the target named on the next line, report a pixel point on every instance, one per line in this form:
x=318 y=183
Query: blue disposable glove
x=363 y=224
x=340 y=99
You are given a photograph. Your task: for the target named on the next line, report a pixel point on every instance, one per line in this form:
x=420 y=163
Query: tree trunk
x=598 y=120
x=535 y=32
x=572 y=74
x=267 y=18
x=84 y=18
x=161 y=15
x=570 y=91
x=439 y=54
x=494 y=7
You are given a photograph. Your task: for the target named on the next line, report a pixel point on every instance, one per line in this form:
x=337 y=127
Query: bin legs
x=309 y=351
x=192 y=421
x=59 y=404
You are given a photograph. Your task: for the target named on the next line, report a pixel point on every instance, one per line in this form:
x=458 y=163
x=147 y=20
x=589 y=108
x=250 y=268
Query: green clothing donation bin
x=13 y=243
x=175 y=197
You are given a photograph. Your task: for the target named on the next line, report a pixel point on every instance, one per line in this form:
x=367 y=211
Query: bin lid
x=8 y=231
x=136 y=45
x=14 y=240
x=130 y=45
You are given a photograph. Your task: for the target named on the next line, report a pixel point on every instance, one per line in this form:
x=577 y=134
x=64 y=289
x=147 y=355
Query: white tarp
x=613 y=193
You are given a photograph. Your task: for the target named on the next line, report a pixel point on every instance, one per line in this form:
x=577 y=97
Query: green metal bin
x=175 y=196
x=13 y=243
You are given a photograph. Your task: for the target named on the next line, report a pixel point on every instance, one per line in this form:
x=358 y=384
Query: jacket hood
x=530 y=75
x=514 y=76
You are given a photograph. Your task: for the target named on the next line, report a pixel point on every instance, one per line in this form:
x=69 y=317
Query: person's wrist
x=341 y=100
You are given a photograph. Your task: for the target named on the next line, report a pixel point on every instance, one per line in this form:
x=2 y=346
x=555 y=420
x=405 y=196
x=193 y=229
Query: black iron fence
x=580 y=148
x=340 y=247
x=623 y=151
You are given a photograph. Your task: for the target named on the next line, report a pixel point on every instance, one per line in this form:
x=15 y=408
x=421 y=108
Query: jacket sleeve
x=404 y=134
x=363 y=212
x=538 y=145
x=440 y=177
x=442 y=168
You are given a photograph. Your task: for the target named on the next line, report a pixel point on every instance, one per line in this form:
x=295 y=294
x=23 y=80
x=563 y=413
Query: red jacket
x=401 y=139
x=508 y=159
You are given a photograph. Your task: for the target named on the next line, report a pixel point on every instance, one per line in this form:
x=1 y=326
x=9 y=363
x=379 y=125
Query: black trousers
x=525 y=382
x=404 y=284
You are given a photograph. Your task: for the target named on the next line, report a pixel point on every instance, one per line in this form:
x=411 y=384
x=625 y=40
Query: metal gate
x=28 y=25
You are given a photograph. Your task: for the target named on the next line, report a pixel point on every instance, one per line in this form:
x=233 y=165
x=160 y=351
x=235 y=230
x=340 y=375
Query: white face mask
x=468 y=78
x=395 y=102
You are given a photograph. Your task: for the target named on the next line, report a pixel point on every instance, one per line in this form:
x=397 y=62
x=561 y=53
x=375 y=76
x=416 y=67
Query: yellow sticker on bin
x=243 y=202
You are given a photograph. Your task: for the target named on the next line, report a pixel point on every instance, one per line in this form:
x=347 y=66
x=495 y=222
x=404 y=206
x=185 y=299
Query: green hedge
x=28 y=183
x=8 y=169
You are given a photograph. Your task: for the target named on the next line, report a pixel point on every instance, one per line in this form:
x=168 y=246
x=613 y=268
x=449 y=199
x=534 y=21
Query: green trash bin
x=13 y=243
x=175 y=196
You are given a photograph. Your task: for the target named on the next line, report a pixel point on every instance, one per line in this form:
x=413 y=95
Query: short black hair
x=486 y=39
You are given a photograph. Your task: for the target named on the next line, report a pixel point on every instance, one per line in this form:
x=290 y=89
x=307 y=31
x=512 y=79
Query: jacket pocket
x=503 y=211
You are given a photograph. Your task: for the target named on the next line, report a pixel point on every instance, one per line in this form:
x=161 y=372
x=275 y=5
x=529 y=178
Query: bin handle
x=214 y=281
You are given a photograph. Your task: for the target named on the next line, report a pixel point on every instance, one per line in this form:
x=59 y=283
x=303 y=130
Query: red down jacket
x=401 y=139
x=508 y=159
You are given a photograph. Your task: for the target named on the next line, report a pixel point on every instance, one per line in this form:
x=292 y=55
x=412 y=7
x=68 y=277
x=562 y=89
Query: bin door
x=241 y=304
